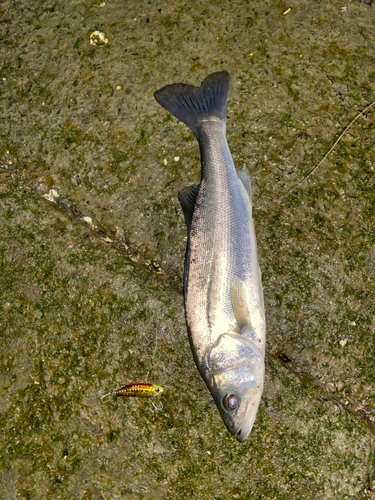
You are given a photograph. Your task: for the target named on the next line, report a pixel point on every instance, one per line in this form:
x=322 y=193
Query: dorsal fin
x=187 y=198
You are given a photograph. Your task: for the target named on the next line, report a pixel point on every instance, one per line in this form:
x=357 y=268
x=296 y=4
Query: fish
x=137 y=390
x=223 y=295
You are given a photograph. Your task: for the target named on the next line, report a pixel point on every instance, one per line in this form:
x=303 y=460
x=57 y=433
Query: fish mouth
x=242 y=436
x=247 y=423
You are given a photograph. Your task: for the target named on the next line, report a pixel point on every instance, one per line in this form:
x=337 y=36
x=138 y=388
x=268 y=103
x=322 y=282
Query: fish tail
x=192 y=105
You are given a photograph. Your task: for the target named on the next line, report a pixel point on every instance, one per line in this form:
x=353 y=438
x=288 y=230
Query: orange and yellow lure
x=137 y=390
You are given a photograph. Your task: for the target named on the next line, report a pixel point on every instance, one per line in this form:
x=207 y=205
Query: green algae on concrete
x=326 y=235
x=79 y=321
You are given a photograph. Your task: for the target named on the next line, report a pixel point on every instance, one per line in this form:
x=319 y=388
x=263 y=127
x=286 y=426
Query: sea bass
x=224 y=305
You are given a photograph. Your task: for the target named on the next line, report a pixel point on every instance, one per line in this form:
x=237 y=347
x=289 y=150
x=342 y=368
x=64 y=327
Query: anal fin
x=244 y=178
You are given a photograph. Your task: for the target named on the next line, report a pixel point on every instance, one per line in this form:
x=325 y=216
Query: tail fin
x=193 y=104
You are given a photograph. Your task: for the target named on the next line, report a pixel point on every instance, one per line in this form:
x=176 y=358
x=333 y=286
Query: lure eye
x=230 y=402
x=157 y=390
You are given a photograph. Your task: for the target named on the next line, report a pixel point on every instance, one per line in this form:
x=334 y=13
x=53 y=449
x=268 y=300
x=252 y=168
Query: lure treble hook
x=111 y=393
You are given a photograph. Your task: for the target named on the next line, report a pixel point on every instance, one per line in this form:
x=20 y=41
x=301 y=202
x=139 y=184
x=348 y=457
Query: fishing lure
x=137 y=390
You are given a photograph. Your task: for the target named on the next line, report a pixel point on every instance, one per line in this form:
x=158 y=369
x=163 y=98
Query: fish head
x=233 y=370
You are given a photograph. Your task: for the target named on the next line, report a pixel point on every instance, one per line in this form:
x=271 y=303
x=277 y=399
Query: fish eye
x=230 y=402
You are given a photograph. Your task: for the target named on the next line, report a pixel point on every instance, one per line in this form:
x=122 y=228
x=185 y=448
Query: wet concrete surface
x=93 y=240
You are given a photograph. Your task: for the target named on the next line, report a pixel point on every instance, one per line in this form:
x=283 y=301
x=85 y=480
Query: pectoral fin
x=239 y=305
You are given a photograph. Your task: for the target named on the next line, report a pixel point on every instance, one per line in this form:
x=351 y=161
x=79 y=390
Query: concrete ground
x=92 y=241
